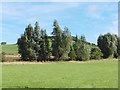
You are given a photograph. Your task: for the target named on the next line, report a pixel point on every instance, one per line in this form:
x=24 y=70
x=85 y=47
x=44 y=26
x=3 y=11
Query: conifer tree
x=37 y=38
x=57 y=40
x=65 y=43
x=26 y=44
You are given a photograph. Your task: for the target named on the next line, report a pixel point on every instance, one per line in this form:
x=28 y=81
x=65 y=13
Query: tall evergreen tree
x=48 y=44
x=26 y=44
x=66 y=42
x=57 y=40
x=76 y=47
x=42 y=52
x=37 y=38
x=37 y=33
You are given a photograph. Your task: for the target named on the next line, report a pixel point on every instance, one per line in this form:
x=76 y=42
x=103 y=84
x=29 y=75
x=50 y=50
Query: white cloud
x=93 y=8
x=94 y=11
x=101 y=10
x=22 y=14
x=114 y=27
x=20 y=11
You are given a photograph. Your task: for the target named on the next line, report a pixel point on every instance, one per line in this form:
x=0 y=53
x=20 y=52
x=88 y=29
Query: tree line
x=35 y=44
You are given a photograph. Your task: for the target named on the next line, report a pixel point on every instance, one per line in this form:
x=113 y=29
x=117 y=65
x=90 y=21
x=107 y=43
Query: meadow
x=10 y=48
x=89 y=74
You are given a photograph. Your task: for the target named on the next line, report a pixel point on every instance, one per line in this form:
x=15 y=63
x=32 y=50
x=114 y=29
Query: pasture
x=89 y=74
x=10 y=48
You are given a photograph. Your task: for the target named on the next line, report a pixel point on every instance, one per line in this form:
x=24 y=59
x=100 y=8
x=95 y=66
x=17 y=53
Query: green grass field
x=94 y=74
x=10 y=49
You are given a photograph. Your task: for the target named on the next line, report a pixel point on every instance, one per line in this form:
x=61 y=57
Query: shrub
x=96 y=53
x=72 y=55
x=85 y=52
x=3 y=56
x=3 y=43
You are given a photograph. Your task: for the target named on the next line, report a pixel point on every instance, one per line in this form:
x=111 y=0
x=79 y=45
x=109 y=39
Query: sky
x=82 y=18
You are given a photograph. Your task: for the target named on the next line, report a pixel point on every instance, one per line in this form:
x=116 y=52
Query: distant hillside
x=10 y=48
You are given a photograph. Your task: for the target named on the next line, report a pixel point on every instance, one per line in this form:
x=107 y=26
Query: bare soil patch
x=14 y=55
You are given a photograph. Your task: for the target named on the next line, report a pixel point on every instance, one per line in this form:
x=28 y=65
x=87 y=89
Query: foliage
x=84 y=52
x=118 y=47
x=108 y=45
x=26 y=44
x=96 y=53
x=72 y=54
x=66 y=43
x=57 y=40
x=3 y=43
x=44 y=45
x=82 y=49
x=35 y=44
x=3 y=56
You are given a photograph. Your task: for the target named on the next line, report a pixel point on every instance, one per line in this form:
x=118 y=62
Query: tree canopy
x=35 y=44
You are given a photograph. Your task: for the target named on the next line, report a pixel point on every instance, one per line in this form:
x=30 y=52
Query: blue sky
x=82 y=18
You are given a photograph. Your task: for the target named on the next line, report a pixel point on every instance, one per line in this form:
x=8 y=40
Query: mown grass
x=98 y=74
x=10 y=48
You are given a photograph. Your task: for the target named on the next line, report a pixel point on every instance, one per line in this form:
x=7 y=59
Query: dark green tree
x=96 y=53
x=48 y=44
x=65 y=43
x=72 y=54
x=76 y=47
x=57 y=41
x=25 y=44
x=108 y=45
x=37 y=38
x=82 y=49
x=2 y=56
x=84 y=52
x=118 y=47
x=42 y=52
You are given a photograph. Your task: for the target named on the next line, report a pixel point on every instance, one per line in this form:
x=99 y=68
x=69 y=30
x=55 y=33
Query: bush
x=3 y=43
x=85 y=52
x=96 y=53
x=3 y=56
x=72 y=55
